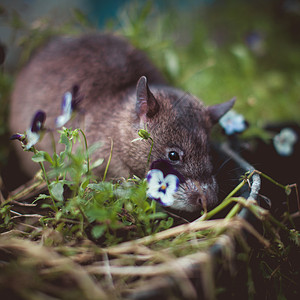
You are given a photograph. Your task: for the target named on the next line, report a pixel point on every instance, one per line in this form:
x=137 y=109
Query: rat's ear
x=146 y=104
x=217 y=111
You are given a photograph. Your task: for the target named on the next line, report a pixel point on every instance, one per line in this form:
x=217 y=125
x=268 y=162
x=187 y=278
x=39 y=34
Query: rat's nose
x=196 y=199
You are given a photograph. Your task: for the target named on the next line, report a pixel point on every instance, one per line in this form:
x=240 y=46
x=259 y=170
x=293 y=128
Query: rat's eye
x=174 y=156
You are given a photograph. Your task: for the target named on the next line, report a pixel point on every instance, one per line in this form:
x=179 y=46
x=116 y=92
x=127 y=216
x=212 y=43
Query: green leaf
x=101 y=186
x=65 y=140
x=46 y=205
x=96 y=214
x=57 y=190
x=93 y=148
x=85 y=184
x=137 y=139
x=41 y=197
x=58 y=215
x=55 y=159
x=42 y=156
x=98 y=231
x=158 y=215
x=97 y=163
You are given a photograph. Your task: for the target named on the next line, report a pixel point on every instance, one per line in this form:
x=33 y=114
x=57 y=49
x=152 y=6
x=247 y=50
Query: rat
x=123 y=92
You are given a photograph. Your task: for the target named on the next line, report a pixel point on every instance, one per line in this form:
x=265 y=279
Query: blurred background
x=211 y=48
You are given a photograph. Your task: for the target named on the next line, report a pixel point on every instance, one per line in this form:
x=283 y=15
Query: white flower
x=66 y=109
x=284 y=141
x=162 y=188
x=32 y=138
x=233 y=122
x=33 y=134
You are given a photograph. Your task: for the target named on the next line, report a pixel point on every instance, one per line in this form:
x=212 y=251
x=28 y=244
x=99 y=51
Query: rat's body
x=107 y=68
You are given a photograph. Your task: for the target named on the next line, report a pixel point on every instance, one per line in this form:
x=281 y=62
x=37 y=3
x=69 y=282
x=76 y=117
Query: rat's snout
x=194 y=195
x=205 y=194
x=195 y=198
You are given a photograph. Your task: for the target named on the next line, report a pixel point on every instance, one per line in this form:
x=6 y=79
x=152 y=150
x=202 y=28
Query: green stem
x=278 y=223
x=233 y=211
x=46 y=179
x=270 y=179
x=149 y=155
x=224 y=203
x=109 y=160
x=42 y=167
x=54 y=153
x=83 y=217
x=86 y=150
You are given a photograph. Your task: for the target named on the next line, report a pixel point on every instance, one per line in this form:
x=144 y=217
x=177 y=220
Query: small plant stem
x=46 y=179
x=54 y=152
x=224 y=203
x=233 y=211
x=83 y=217
x=287 y=188
x=86 y=150
x=279 y=224
x=109 y=160
x=258 y=211
x=241 y=201
x=297 y=194
x=270 y=179
x=42 y=167
x=149 y=155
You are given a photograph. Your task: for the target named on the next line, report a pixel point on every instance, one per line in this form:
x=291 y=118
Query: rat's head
x=180 y=125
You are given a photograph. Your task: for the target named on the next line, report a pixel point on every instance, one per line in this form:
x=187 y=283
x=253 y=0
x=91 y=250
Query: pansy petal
x=233 y=122
x=32 y=139
x=167 y=169
x=62 y=120
x=66 y=109
x=17 y=136
x=155 y=194
x=154 y=190
x=168 y=198
x=76 y=97
x=66 y=105
x=38 y=121
x=284 y=141
x=289 y=135
x=173 y=183
x=155 y=177
x=162 y=189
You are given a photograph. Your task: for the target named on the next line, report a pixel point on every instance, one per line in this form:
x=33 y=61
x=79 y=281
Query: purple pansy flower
x=69 y=105
x=163 y=182
x=33 y=134
x=162 y=188
x=17 y=136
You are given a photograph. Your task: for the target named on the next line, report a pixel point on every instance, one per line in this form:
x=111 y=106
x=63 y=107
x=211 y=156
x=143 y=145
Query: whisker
x=223 y=165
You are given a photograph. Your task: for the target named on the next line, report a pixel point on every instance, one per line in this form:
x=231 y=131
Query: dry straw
x=178 y=263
